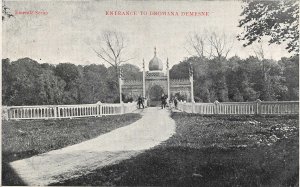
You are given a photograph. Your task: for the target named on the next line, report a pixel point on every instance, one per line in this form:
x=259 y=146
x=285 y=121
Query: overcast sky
x=72 y=28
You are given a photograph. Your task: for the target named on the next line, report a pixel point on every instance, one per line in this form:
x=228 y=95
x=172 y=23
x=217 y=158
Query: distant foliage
x=131 y=72
x=237 y=80
x=26 y=82
x=279 y=20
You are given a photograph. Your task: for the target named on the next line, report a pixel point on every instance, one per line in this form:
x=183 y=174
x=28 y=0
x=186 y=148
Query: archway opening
x=155 y=94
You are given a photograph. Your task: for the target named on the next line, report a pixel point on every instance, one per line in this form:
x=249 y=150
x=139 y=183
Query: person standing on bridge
x=163 y=101
x=175 y=102
x=141 y=101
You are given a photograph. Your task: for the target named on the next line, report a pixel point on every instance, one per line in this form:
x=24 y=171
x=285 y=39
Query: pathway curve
x=155 y=126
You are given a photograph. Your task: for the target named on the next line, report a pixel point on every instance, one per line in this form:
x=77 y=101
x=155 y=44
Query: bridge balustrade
x=66 y=111
x=242 y=108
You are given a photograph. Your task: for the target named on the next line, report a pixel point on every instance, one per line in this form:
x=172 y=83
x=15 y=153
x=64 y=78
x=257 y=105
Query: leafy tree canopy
x=26 y=82
x=68 y=72
x=131 y=72
x=278 y=20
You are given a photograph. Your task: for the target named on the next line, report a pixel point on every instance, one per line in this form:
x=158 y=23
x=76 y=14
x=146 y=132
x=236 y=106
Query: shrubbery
x=236 y=79
x=26 y=82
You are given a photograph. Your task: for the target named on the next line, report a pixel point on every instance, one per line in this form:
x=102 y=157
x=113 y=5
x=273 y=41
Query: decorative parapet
x=155 y=74
x=132 y=82
x=180 y=81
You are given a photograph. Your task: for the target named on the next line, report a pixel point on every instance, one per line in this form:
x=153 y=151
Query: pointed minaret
x=120 y=84
x=168 y=79
x=191 y=73
x=144 y=79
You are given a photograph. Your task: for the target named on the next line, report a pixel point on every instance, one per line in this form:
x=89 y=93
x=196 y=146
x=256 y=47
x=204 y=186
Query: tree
x=6 y=81
x=93 y=87
x=290 y=67
x=131 y=72
x=276 y=19
x=24 y=75
x=6 y=12
x=112 y=49
x=180 y=71
x=265 y=71
x=209 y=44
x=26 y=82
x=50 y=88
x=238 y=78
x=259 y=51
x=70 y=74
x=221 y=44
x=112 y=85
x=197 y=44
x=209 y=78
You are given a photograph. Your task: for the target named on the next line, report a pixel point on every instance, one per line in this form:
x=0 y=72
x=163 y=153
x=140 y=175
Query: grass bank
x=213 y=151
x=25 y=138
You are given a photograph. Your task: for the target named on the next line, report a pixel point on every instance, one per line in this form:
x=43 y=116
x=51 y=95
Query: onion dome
x=155 y=63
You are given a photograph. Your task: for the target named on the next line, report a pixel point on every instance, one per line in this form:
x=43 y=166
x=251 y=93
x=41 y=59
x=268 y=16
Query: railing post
x=258 y=107
x=58 y=111
x=216 y=107
x=5 y=113
x=122 y=108
x=99 y=109
x=55 y=111
x=193 y=107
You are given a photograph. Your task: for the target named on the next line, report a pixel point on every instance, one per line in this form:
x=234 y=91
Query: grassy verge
x=213 y=151
x=23 y=139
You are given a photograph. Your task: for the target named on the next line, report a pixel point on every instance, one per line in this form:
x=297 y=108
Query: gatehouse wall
x=134 y=88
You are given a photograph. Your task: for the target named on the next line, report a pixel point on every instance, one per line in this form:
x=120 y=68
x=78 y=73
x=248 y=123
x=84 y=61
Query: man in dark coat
x=140 y=102
x=163 y=101
x=175 y=102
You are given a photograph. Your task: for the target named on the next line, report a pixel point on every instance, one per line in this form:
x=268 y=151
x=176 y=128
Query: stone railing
x=178 y=81
x=242 y=108
x=65 y=111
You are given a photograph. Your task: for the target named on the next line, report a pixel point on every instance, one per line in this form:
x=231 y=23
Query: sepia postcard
x=150 y=93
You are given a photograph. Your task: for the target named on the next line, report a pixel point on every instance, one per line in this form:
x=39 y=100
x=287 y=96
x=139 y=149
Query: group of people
x=164 y=101
x=163 y=98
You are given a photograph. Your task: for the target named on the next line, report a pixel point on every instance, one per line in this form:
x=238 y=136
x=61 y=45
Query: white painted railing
x=66 y=111
x=242 y=108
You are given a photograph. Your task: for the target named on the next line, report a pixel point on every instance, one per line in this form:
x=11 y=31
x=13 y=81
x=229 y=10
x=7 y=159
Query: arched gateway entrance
x=155 y=82
x=155 y=94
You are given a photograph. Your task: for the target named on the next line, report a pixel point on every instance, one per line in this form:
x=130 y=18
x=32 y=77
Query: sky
x=71 y=29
